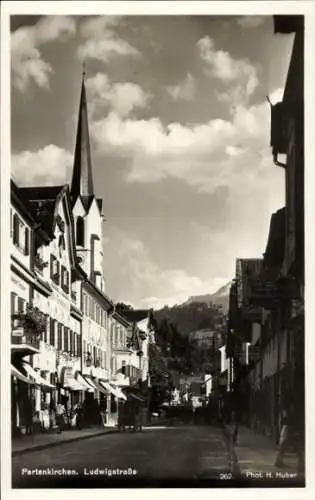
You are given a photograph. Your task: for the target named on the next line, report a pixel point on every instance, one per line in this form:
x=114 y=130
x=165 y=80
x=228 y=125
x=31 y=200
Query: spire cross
x=84 y=70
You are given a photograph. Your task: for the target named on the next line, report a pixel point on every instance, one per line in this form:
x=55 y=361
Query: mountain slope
x=219 y=298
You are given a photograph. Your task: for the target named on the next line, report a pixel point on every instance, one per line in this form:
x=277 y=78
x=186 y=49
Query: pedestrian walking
x=284 y=438
x=45 y=418
x=60 y=412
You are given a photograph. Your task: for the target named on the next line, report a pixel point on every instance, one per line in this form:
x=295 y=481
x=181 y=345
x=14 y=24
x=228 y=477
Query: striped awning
x=100 y=388
x=91 y=382
x=37 y=376
x=113 y=390
x=23 y=378
x=85 y=385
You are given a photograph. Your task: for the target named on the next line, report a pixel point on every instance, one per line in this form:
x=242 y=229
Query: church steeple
x=82 y=179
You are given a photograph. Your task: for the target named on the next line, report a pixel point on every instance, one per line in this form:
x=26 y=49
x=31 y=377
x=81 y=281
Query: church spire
x=82 y=180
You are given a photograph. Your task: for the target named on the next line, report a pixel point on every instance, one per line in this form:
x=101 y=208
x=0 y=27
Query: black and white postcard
x=154 y=244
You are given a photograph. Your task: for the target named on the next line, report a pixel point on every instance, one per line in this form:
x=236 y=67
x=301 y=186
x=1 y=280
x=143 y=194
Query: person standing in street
x=60 y=411
x=284 y=438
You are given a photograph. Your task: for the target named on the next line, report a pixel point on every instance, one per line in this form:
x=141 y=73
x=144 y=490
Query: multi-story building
x=268 y=310
x=69 y=344
x=27 y=323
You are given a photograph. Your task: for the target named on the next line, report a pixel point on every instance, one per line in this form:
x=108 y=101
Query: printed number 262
x=225 y=475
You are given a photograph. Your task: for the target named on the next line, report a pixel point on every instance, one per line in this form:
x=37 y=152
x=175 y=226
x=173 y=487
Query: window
x=94 y=354
x=84 y=303
x=66 y=337
x=123 y=367
x=61 y=245
x=45 y=336
x=20 y=305
x=59 y=337
x=21 y=235
x=52 y=332
x=64 y=279
x=16 y=230
x=80 y=231
x=27 y=241
x=54 y=269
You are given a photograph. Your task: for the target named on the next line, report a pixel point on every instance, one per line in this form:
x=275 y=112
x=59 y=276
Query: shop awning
x=91 y=382
x=74 y=385
x=113 y=390
x=85 y=385
x=37 y=377
x=15 y=372
x=100 y=388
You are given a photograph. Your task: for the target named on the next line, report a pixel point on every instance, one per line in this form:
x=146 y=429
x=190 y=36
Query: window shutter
x=20 y=305
x=46 y=329
x=51 y=266
x=15 y=229
x=66 y=339
x=52 y=332
x=72 y=342
x=13 y=297
x=59 y=340
x=27 y=241
x=79 y=350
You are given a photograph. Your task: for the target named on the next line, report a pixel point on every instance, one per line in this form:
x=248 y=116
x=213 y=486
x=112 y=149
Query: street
x=173 y=455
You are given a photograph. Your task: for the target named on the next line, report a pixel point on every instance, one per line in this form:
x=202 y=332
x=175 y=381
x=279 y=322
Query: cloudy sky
x=180 y=138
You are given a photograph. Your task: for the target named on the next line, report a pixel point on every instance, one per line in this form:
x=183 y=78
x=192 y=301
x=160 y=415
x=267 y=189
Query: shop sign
x=67 y=376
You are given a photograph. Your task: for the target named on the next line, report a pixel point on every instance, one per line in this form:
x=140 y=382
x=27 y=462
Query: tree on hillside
x=121 y=307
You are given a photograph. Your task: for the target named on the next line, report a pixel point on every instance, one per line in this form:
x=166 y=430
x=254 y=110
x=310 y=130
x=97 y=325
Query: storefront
x=21 y=402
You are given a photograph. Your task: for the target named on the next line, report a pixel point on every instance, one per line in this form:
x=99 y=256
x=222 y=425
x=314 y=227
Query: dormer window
x=80 y=231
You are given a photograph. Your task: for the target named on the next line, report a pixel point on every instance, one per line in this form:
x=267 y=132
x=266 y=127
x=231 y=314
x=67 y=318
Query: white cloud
x=103 y=43
x=276 y=95
x=185 y=90
x=138 y=279
x=239 y=74
x=45 y=167
x=205 y=155
x=27 y=63
x=251 y=21
x=122 y=98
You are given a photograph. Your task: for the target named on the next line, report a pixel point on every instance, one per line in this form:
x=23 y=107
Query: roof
x=136 y=315
x=121 y=317
x=274 y=254
x=42 y=201
x=21 y=202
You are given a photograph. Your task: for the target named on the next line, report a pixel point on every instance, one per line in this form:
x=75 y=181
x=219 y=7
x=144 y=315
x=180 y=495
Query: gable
x=78 y=208
x=94 y=210
x=63 y=228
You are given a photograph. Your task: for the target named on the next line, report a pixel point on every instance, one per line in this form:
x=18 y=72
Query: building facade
x=68 y=343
